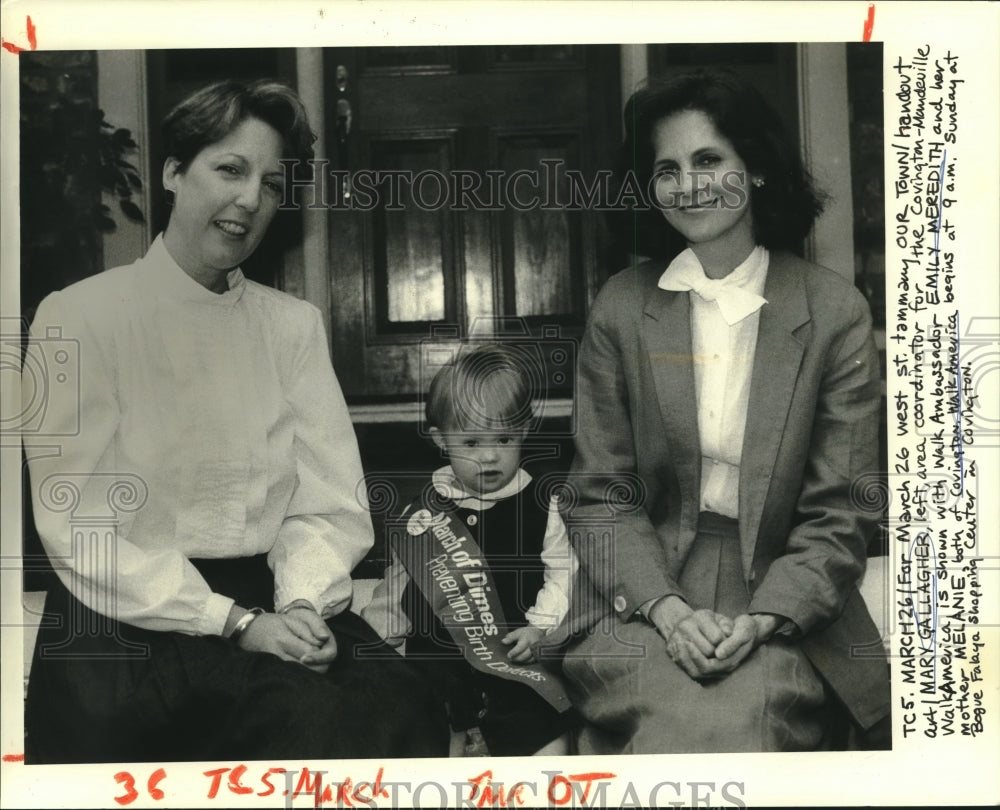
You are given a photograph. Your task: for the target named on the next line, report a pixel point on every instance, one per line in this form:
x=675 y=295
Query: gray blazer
x=811 y=436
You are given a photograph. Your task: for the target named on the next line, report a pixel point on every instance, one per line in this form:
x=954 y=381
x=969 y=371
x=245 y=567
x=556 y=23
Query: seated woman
x=740 y=385
x=211 y=621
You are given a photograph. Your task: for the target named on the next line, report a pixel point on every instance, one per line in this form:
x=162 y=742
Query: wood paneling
x=540 y=245
x=399 y=275
x=412 y=248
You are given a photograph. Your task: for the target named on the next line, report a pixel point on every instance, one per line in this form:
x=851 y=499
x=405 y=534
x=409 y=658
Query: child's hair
x=489 y=388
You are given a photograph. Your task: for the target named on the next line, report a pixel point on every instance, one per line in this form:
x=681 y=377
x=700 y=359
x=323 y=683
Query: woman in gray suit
x=738 y=387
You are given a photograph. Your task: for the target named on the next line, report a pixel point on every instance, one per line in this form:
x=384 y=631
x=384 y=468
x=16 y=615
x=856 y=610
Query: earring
x=758 y=182
x=169 y=195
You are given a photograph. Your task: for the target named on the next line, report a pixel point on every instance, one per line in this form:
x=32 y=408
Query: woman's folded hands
x=296 y=634
x=706 y=644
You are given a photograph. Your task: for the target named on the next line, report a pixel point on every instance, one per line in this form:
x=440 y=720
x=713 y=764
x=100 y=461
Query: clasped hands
x=296 y=634
x=706 y=644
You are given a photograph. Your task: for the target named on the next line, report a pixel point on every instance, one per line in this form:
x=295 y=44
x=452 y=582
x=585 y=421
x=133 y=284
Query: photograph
x=550 y=416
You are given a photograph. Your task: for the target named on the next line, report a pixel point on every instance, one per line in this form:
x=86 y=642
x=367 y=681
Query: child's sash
x=446 y=563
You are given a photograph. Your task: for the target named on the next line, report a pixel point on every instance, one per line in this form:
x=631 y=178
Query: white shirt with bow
x=724 y=317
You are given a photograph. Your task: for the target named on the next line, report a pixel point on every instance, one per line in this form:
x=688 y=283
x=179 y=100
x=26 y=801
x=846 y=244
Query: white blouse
x=223 y=414
x=725 y=314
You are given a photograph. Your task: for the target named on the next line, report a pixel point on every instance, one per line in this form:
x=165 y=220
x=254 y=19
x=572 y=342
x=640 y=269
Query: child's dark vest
x=510 y=535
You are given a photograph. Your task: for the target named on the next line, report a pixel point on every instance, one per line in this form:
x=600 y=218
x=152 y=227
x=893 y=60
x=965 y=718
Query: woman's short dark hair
x=488 y=388
x=784 y=209
x=210 y=114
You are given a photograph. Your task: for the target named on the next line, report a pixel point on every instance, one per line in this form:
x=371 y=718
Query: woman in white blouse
x=735 y=388
x=203 y=504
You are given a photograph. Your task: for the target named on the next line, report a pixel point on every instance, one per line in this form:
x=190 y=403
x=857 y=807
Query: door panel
x=539 y=246
x=412 y=247
x=414 y=267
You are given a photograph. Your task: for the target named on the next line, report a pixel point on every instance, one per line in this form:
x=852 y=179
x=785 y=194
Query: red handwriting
x=307 y=785
x=266 y=779
x=13 y=757
x=578 y=788
x=347 y=793
x=32 y=40
x=361 y=793
x=566 y=786
x=490 y=795
x=234 y=781
x=127 y=780
x=866 y=35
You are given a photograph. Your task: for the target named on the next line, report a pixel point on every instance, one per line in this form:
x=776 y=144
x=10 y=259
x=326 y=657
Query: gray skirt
x=635 y=700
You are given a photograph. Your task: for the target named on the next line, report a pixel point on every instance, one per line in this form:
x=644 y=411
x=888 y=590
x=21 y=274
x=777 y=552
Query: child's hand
x=523 y=638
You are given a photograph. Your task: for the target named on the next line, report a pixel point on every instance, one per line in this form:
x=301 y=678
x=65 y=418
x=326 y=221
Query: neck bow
x=734 y=302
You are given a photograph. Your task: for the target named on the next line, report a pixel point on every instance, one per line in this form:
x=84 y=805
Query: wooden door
x=770 y=66
x=414 y=268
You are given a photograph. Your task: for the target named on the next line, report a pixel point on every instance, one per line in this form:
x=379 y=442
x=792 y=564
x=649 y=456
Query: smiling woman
x=705 y=181
x=211 y=621
x=223 y=172
x=224 y=199
x=741 y=385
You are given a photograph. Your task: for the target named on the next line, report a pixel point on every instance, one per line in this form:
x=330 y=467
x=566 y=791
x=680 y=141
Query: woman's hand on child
x=523 y=639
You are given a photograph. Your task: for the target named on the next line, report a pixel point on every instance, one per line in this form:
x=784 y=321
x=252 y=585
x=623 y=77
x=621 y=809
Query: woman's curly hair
x=784 y=208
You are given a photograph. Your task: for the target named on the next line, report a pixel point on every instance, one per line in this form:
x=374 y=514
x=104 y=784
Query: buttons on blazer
x=472 y=520
x=620 y=604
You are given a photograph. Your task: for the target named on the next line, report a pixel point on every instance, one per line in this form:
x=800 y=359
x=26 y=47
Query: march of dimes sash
x=446 y=563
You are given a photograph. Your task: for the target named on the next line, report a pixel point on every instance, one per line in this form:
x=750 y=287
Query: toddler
x=481 y=565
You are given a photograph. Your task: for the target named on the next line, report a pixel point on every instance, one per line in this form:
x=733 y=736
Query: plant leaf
x=132 y=211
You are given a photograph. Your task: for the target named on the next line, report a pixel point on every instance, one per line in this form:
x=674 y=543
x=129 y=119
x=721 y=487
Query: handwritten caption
x=933 y=477
x=556 y=788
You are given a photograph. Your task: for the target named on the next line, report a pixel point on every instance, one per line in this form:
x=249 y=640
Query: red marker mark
x=567 y=787
x=32 y=40
x=493 y=795
x=127 y=781
x=13 y=757
x=157 y=776
x=869 y=24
